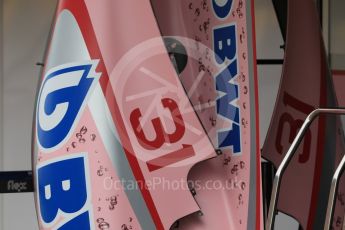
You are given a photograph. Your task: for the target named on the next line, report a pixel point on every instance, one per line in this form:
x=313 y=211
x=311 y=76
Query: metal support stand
x=333 y=194
x=288 y=157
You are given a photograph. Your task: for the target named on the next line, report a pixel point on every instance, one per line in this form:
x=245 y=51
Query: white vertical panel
x=26 y=27
x=1 y=110
x=268 y=81
x=268 y=42
x=268 y=35
x=337 y=34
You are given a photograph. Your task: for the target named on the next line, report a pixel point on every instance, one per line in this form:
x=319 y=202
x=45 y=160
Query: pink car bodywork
x=110 y=102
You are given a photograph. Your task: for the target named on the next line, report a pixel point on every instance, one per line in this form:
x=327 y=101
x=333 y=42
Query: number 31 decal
x=162 y=136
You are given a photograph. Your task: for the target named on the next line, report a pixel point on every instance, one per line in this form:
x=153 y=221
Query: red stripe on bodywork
x=258 y=157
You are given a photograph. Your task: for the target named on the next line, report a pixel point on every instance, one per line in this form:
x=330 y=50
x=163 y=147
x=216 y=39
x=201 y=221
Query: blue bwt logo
x=62 y=98
x=225 y=49
x=63 y=191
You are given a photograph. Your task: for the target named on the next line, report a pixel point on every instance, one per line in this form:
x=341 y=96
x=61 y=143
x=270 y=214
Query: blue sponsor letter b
x=61 y=187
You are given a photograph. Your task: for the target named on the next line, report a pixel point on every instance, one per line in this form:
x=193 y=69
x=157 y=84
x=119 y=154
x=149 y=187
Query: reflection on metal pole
x=290 y=153
x=268 y=173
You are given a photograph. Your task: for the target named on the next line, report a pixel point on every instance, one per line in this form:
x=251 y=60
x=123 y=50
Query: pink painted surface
x=109 y=203
x=133 y=52
x=193 y=25
x=126 y=67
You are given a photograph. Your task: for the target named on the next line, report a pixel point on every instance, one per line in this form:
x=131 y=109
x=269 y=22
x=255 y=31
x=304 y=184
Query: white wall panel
x=26 y=26
x=1 y=109
x=268 y=36
x=337 y=34
x=268 y=42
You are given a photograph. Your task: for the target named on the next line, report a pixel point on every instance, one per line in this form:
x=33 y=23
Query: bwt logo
x=64 y=193
x=225 y=49
x=62 y=98
x=17 y=186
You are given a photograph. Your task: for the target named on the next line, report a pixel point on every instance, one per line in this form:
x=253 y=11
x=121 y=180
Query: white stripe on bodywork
x=67 y=45
x=101 y=115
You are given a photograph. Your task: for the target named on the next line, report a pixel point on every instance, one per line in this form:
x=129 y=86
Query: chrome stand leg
x=333 y=194
x=288 y=157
